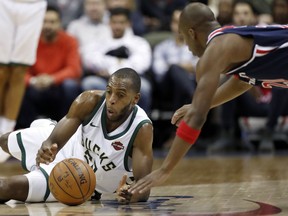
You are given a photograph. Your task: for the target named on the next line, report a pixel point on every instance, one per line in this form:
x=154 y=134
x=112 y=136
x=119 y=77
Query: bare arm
x=219 y=56
x=229 y=90
x=142 y=160
x=67 y=126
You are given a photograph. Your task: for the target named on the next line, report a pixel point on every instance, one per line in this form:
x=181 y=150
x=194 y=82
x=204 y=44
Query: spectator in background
x=157 y=14
x=117 y=51
x=173 y=68
x=20 y=27
x=92 y=25
x=265 y=19
x=225 y=12
x=244 y=13
x=137 y=19
x=280 y=11
x=52 y=82
x=70 y=10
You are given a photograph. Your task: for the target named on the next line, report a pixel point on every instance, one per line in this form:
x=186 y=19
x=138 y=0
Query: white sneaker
x=3 y=156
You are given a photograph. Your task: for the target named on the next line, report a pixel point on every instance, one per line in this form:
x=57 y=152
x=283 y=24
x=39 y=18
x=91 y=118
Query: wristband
x=188 y=134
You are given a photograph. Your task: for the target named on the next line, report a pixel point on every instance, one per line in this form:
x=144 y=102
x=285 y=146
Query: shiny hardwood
x=200 y=185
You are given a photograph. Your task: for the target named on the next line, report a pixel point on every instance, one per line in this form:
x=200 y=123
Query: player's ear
x=192 y=33
x=136 y=98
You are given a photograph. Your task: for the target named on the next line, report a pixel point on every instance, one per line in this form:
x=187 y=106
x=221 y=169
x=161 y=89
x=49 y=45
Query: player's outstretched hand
x=123 y=196
x=46 y=154
x=155 y=178
x=179 y=114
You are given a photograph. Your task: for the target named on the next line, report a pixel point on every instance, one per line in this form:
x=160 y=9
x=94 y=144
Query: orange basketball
x=72 y=181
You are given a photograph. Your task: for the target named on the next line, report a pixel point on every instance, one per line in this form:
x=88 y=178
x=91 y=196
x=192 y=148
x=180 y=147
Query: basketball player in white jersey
x=20 y=27
x=109 y=131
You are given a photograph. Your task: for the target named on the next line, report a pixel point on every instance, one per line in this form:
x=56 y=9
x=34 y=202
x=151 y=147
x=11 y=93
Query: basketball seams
x=60 y=186
x=75 y=179
x=77 y=176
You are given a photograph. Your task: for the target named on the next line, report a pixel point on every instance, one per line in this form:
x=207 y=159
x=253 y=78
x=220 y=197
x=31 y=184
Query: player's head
x=52 y=23
x=119 y=21
x=196 y=22
x=122 y=93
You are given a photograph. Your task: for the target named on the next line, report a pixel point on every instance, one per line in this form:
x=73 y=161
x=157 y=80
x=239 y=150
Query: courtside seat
x=252 y=127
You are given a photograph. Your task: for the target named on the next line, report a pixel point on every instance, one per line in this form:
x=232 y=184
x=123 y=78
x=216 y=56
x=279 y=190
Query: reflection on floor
x=230 y=185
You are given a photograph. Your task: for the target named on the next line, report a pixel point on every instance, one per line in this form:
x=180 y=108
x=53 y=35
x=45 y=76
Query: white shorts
x=20 y=28
x=24 y=145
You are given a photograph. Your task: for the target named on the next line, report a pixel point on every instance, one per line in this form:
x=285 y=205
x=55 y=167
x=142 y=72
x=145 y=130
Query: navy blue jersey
x=268 y=65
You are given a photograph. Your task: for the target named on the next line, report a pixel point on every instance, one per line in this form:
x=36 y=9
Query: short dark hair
x=52 y=7
x=129 y=73
x=249 y=3
x=120 y=11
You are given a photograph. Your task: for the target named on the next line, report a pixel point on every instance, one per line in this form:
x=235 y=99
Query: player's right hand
x=179 y=114
x=46 y=154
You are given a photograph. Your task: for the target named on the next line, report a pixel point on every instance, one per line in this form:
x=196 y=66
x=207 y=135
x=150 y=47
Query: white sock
x=3 y=156
x=7 y=125
x=1 y=123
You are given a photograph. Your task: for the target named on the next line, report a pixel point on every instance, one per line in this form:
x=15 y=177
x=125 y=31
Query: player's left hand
x=123 y=196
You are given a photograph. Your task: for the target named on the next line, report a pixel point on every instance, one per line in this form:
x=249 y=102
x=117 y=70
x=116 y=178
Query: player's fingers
x=45 y=156
x=123 y=181
x=41 y=160
x=176 y=118
x=179 y=114
x=141 y=186
x=121 y=184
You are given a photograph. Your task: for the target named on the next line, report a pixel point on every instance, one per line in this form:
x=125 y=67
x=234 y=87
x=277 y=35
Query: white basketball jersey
x=109 y=154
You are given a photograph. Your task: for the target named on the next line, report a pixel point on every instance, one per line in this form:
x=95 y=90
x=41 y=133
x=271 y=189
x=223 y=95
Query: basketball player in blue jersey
x=250 y=55
x=109 y=131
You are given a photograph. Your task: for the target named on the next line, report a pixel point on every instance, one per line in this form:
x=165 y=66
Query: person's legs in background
x=176 y=89
x=12 y=88
x=12 y=98
x=277 y=107
x=93 y=82
x=4 y=76
x=71 y=89
x=230 y=138
x=43 y=103
x=145 y=101
x=184 y=85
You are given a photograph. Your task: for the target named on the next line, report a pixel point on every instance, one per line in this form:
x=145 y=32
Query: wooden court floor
x=243 y=185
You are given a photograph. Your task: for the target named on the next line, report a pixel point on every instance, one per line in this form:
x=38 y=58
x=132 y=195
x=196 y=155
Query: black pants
x=53 y=102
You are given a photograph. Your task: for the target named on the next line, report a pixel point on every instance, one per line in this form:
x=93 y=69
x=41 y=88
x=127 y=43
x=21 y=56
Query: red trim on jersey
x=212 y=34
x=263 y=51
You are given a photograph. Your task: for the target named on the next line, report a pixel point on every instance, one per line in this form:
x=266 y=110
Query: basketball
x=72 y=181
